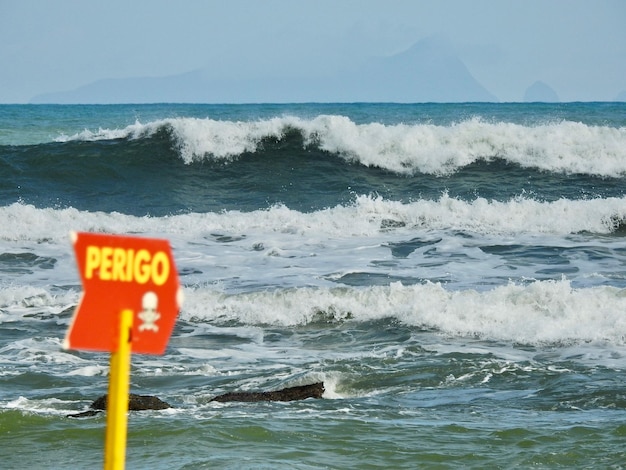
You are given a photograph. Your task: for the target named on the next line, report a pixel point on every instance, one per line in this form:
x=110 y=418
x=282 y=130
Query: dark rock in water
x=84 y=414
x=150 y=402
x=286 y=394
x=135 y=403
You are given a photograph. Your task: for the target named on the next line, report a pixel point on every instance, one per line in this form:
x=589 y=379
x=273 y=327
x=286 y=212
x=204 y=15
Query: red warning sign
x=119 y=273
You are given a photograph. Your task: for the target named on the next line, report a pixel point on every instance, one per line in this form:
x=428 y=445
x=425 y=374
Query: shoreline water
x=454 y=274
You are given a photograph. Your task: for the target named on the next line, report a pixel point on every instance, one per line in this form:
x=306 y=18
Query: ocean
x=455 y=274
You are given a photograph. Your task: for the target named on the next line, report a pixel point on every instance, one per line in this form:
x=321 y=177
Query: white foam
x=364 y=218
x=47 y=406
x=539 y=312
x=89 y=371
x=19 y=303
x=568 y=147
x=40 y=350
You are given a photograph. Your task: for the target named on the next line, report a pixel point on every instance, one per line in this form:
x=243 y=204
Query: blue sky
x=578 y=47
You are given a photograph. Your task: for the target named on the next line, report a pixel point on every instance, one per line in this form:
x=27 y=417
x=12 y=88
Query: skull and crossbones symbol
x=149 y=314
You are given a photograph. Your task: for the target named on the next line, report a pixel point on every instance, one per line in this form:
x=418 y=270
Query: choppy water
x=455 y=274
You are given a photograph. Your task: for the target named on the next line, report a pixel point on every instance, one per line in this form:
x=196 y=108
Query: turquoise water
x=454 y=274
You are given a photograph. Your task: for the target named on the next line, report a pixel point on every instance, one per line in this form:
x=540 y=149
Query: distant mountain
x=621 y=96
x=540 y=92
x=429 y=71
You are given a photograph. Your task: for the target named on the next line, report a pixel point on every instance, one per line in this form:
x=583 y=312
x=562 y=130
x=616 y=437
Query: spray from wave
x=368 y=216
x=563 y=147
x=537 y=312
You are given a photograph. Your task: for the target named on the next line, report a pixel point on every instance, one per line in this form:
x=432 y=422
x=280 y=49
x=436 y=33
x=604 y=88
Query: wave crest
x=565 y=147
x=367 y=217
x=540 y=312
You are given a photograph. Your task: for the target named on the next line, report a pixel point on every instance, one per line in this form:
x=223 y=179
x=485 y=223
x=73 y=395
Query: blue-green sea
x=455 y=274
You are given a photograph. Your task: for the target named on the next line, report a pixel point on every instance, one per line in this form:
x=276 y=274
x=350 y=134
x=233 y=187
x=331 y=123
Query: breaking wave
x=561 y=147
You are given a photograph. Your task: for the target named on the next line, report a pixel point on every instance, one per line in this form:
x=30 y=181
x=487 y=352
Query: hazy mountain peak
x=428 y=71
x=540 y=92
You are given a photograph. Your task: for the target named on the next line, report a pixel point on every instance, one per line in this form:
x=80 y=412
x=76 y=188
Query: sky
x=577 y=47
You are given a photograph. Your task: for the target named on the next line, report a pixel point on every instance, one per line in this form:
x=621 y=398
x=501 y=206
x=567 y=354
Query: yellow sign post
x=117 y=405
x=131 y=300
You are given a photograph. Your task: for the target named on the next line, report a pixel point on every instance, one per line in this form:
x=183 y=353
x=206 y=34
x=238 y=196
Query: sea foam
x=536 y=313
x=367 y=216
x=563 y=147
